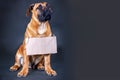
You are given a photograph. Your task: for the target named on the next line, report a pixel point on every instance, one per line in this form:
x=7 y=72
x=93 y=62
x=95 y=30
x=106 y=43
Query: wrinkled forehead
x=41 y=3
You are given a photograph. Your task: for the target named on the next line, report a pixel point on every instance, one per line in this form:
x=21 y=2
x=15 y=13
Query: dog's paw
x=14 y=68
x=51 y=72
x=22 y=74
x=40 y=67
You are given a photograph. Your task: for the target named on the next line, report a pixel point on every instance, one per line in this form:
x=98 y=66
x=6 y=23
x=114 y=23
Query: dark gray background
x=93 y=47
x=88 y=39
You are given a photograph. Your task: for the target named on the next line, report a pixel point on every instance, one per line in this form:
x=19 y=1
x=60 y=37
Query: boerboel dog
x=38 y=27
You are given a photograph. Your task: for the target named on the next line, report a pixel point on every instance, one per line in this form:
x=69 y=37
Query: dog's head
x=42 y=11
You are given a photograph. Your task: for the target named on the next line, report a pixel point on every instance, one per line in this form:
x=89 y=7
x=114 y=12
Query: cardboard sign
x=45 y=45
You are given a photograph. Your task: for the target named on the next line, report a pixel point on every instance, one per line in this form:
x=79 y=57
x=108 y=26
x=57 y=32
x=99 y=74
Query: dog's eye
x=40 y=7
x=47 y=5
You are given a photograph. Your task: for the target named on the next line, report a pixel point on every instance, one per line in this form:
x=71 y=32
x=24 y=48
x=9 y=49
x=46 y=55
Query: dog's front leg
x=48 y=68
x=24 y=71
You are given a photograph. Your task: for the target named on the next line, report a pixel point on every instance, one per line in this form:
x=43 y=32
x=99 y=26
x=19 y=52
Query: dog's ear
x=29 y=9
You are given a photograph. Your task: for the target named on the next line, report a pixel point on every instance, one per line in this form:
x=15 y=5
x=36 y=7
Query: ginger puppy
x=37 y=27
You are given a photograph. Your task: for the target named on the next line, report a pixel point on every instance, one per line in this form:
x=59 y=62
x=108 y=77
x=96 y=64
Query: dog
x=37 y=27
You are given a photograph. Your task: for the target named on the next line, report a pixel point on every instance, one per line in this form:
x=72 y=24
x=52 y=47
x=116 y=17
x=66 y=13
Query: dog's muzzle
x=45 y=14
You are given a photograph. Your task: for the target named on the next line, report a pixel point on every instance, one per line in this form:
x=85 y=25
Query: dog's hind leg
x=18 y=61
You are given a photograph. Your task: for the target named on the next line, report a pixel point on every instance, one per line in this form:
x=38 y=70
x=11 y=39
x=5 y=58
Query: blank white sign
x=45 y=45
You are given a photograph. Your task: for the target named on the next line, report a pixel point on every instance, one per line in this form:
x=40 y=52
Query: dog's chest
x=42 y=29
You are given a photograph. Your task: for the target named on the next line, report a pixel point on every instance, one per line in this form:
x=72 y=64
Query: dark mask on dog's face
x=45 y=12
x=42 y=11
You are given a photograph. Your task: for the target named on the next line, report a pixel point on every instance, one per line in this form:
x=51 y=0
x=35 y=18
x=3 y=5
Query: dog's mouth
x=45 y=14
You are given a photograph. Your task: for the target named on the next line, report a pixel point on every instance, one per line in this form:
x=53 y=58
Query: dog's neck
x=40 y=26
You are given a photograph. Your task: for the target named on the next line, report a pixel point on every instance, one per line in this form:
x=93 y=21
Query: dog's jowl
x=41 y=14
